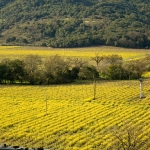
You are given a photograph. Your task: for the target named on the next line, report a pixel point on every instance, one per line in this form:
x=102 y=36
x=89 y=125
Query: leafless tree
x=97 y=59
x=129 y=139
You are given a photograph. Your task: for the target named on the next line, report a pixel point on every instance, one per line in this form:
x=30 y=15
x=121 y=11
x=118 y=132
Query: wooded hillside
x=75 y=23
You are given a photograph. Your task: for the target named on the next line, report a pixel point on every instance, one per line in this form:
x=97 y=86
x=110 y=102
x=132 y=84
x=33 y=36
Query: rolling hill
x=75 y=23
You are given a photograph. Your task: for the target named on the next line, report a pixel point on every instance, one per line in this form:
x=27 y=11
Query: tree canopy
x=58 y=70
x=75 y=23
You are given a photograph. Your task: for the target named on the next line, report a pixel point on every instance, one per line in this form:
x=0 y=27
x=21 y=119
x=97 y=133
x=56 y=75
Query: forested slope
x=75 y=23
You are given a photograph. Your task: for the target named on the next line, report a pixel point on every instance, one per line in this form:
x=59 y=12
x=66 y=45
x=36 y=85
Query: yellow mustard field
x=84 y=53
x=66 y=117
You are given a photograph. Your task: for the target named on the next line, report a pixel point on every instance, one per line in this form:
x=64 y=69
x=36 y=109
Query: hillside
x=75 y=23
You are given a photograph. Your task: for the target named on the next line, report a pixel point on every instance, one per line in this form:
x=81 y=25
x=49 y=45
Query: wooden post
x=46 y=104
x=141 y=80
x=94 y=97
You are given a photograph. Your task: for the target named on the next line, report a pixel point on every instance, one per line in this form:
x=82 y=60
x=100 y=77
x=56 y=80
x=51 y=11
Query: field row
x=67 y=117
x=14 y=52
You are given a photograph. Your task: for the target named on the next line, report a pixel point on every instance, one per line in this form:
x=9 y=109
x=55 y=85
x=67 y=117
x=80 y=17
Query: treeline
x=114 y=68
x=33 y=70
x=74 y=23
x=5 y=2
x=75 y=33
x=57 y=70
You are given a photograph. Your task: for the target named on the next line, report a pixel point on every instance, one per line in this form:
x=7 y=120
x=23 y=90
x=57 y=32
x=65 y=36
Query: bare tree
x=97 y=59
x=129 y=139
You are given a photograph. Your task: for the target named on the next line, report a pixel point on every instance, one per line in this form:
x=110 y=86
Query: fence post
x=141 y=80
x=94 y=88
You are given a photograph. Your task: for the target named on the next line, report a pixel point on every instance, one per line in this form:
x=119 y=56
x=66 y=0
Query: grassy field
x=72 y=119
x=84 y=53
x=66 y=117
